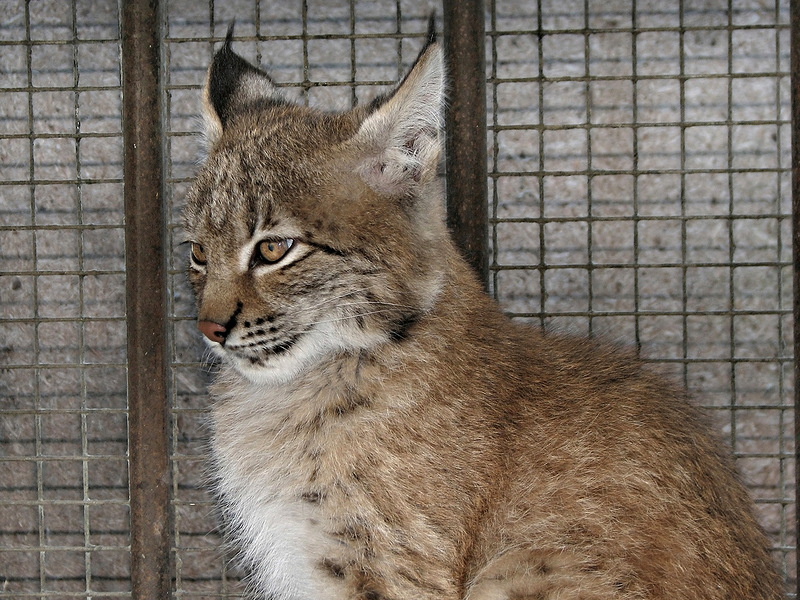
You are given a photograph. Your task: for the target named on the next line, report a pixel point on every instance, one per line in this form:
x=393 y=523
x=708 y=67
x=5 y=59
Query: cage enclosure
x=638 y=187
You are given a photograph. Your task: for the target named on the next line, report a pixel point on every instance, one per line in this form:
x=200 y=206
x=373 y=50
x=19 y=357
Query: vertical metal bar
x=145 y=237
x=543 y=261
x=494 y=143
x=786 y=535
x=587 y=93
x=37 y=419
x=467 y=190
x=795 y=78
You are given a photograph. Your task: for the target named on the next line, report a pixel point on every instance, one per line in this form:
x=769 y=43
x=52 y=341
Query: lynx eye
x=272 y=251
x=198 y=254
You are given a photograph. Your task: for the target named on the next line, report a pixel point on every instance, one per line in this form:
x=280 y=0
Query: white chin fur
x=281 y=368
x=311 y=349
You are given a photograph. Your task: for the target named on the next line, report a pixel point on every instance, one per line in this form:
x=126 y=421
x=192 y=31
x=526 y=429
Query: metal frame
x=146 y=267
x=467 y=208
x=795 y=69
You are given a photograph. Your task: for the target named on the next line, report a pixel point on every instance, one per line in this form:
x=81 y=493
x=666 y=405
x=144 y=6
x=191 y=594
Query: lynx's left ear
x=232 y=84
x=403 y=131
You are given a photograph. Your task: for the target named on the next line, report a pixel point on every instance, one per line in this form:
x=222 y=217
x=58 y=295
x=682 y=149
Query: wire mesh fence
x=639 y=188
x=63 y=432
x=640 y=158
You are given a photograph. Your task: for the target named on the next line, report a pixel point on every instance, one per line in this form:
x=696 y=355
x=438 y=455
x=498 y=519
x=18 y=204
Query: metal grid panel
x=640 y=156
x=63 y=452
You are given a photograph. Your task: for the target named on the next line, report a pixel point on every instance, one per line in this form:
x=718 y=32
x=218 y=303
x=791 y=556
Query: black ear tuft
x=431 y=36
x=228 y=70
x=233 y=85
x=430 y=40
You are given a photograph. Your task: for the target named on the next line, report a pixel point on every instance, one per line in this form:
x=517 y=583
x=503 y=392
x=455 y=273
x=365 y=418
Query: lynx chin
x=381 y=431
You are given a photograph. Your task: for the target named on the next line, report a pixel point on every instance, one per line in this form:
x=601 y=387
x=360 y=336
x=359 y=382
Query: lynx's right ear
x=403 y=131
x=232 y=83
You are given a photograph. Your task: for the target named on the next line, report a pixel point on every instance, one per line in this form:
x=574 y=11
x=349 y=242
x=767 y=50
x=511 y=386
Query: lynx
x=381 y=430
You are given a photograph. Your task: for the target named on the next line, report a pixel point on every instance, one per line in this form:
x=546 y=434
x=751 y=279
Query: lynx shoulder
x=381 y=430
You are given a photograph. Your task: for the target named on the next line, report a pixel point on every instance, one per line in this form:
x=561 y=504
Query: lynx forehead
x=381 y=430
x=266 y=170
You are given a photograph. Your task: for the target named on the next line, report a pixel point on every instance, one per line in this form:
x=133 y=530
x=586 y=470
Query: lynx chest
x=286 y=498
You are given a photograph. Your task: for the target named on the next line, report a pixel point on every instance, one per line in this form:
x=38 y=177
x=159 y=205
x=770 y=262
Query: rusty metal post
x=145 y=235
x=467 y=208
x=795 y=78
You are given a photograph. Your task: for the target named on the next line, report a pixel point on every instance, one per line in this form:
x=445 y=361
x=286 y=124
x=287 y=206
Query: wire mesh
x=640 y=170
x=639 y=187
x=63 y=469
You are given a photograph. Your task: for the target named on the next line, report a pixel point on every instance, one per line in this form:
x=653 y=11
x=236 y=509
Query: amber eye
x=272 y=251
x=198 y=254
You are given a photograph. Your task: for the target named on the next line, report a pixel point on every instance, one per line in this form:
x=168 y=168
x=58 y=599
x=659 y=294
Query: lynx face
x=305 y=228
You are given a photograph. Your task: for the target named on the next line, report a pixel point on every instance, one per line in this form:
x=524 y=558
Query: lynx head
x=314 y=233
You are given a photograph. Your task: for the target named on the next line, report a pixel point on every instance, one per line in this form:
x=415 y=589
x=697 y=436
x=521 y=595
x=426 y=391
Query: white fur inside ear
x=255 y=86
x=404 y=134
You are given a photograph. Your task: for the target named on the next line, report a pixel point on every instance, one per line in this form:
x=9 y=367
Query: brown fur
x=424 y=446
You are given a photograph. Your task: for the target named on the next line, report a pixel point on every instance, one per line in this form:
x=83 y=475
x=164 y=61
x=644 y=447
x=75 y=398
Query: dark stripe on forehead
x=252 y=219
x=260 y=216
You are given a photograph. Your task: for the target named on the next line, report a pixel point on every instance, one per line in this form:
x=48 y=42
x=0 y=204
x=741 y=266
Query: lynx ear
x=403 y=131
x=231 y=84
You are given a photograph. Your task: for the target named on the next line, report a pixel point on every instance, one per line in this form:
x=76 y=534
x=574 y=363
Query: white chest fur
x=279 y=544
x=262 y=473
